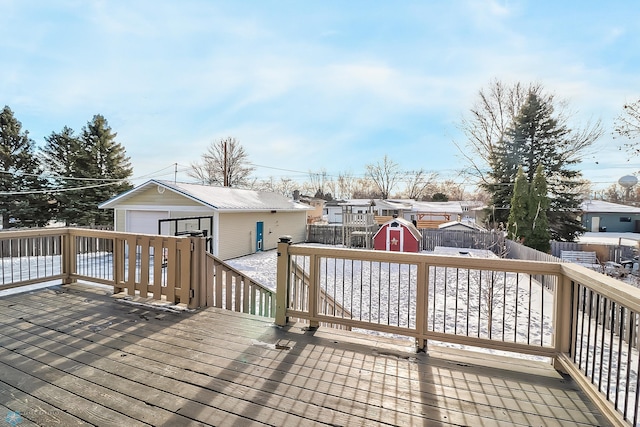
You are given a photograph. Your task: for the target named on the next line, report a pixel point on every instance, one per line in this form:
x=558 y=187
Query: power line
x=56 y=190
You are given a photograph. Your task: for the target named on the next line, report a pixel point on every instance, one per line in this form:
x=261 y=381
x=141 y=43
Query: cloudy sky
x=307 y=86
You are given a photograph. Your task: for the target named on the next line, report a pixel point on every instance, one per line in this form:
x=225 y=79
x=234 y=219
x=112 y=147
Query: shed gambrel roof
x=405 y=223
x=223 y=199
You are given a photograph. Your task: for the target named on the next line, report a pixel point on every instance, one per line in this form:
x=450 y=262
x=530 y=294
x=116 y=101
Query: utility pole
x=225 y=166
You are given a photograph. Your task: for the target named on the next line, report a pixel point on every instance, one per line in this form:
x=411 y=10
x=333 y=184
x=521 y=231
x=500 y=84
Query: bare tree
x=318 y=181
x=488 y=120
x=384 y=175
x=345 y=185
x=493 y=114
x=224 y=163
x=417 y=183
x=627 y=125
x=284 y=186
x=365 y=188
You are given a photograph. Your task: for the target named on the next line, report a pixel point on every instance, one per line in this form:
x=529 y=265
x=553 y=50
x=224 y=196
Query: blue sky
x=306 y=85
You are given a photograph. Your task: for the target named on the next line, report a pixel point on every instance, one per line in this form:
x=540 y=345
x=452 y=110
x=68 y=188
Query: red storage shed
x=398 y=235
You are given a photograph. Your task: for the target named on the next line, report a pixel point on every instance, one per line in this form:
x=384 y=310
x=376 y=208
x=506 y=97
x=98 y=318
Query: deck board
x=76 y=351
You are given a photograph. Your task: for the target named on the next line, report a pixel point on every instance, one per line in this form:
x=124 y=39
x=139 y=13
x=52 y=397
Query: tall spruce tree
x=105 y=166
x=537 y=137
x=518 y=227
x=60 y=158
x=24 y=201
x=539 y=236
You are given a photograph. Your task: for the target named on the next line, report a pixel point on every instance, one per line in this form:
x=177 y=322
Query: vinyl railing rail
x=585 y=322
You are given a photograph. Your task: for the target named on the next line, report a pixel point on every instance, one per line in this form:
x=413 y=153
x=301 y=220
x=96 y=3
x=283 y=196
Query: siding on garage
x=237 y=231
x=145 y=222
x=119 y=220
x=151 y=196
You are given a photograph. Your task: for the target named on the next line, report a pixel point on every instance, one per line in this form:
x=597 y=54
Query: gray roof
x=600 y=206
x=219 y=198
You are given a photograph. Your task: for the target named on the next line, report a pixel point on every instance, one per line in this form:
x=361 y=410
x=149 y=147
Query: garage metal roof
x=223 y=199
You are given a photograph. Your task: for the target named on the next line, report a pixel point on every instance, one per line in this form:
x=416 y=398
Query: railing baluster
x=605 y=303
x=618 y=368
x=614 y=310
x=632 y=322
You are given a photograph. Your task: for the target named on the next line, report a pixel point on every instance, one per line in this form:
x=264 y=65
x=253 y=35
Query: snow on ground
x=606 y=238
x=518 y=299
x=452 y=307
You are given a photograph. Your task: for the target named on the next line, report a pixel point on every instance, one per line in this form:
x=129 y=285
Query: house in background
x=315 y=214
x=239 y=222
x=598 y=215
x=424 y=214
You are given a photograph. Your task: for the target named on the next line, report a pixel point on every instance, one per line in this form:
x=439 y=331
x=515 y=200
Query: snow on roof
x=413 y=205
x=468 y=224
x=444 y=207
x=392 y=204
x=221 y=198
x=589 y=206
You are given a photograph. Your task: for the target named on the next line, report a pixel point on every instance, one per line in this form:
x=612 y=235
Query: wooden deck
x=76 y=356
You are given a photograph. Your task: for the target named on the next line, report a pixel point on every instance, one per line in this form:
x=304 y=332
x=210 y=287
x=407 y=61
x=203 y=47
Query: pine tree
x=60 y=158
x=518 y=227
x=537 y=138
x=539 y=235
x=106 y=167
x=24 y=201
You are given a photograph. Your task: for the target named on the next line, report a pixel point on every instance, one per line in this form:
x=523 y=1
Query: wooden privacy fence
x=493 y=241
x=605 y=252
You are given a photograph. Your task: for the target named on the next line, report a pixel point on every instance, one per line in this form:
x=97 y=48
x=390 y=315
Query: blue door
x=259 y=236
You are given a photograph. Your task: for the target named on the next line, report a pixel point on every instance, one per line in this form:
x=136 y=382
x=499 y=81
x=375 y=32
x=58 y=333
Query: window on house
x=625 y=219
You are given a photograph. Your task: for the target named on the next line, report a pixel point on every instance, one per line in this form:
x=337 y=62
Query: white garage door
x=146 y=222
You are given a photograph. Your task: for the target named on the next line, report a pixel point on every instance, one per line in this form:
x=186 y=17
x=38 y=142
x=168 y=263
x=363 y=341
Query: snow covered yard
x=502 y=306
x=492 y=305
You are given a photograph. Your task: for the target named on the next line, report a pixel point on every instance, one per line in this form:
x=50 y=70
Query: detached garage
x=398 y=235
x=240 y=222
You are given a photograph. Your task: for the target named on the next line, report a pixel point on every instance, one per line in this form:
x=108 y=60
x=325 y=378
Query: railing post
x=282 y=281
x=563 y=316
x=313 y=291
x=118 y=265
x=198 y=287
x=68 y=256
x=422 y=298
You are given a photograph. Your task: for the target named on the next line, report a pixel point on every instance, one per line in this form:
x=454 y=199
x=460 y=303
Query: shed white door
x=146 y=222
x=595 y=224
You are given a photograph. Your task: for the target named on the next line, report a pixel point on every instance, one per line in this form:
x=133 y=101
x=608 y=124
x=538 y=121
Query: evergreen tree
x=105 y=166
x=24 y=201
x=538 y=138
x=518 y=227
x=60 y=158
x=539 y=236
